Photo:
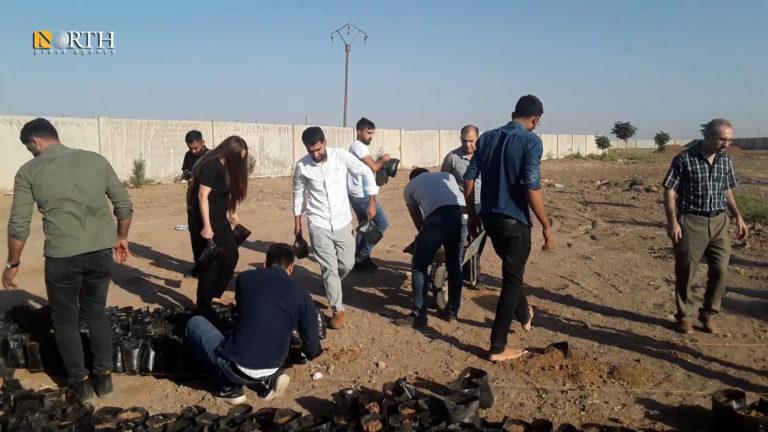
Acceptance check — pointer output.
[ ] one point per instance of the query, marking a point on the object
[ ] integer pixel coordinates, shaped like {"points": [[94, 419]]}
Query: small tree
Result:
{"points": [[251, 164], [624, 131], [602, 142], [138, 174], [661, 139]]}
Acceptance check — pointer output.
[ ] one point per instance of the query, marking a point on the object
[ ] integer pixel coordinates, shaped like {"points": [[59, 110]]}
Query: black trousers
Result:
{"points": [[77, 288], [213, 279], [511, 240]]}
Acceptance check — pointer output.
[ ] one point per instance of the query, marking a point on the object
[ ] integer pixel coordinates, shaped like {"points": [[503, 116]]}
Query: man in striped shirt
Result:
{"points": [[697, 190]]}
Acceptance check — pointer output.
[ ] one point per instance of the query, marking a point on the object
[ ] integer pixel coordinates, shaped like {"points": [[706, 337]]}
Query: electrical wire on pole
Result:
{"points": [[347, 49]]}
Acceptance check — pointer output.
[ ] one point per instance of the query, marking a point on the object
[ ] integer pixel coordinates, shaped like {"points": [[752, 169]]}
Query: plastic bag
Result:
{"points": [[210, 253], [370, 232], [241, 233], [300, 247]]}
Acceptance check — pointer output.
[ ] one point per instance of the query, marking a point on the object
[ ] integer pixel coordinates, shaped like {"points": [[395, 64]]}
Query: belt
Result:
{"points": [[705, 214], [459, 208]]}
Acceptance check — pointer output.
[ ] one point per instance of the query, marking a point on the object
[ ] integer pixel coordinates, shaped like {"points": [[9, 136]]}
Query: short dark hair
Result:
{"points": [[192, 136], [711, 128], [280, 254], [312, 135], [470, 127], [417, 172], [39, 128], [528, 106], [364, 124]]}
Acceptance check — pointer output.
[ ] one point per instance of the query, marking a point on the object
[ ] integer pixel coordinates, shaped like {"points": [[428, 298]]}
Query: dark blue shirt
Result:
{"points": [[270, 305], [508, 159]]}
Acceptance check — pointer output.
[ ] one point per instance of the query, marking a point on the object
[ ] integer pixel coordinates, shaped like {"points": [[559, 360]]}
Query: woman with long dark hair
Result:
{"points": [[220, 183]]}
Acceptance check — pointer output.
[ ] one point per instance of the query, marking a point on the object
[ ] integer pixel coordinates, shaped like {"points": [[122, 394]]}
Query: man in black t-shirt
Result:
{"points": [[270, 306], [197, 148]]}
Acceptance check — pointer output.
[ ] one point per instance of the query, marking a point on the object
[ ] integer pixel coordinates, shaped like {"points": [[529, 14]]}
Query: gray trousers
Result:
{"points": [[335, 251], [705, 237]]}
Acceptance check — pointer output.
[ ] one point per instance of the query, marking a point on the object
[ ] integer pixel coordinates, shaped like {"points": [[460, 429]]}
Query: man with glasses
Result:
{"points": [[508, 158]]}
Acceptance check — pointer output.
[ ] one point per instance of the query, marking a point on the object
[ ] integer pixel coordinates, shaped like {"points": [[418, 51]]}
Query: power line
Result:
{"points": [[347, 49]]}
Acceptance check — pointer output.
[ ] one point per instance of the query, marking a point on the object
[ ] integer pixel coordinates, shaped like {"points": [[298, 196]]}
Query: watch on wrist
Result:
{"points": [[8, 265]]}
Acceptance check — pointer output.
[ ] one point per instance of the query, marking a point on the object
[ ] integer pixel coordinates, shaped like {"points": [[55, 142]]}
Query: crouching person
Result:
{"points": [[270, 305]]}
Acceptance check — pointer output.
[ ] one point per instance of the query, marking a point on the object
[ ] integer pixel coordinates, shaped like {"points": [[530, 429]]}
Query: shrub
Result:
{"points": [[752, 206], [251, 164], [139, 174]]}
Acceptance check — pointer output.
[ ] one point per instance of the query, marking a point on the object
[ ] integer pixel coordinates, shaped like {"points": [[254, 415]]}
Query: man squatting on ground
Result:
{"points": [[69, 187], [357, 196], [435, 205], [697, 189], [270, 305], [508, 159], [456, 163], [320, 185]]}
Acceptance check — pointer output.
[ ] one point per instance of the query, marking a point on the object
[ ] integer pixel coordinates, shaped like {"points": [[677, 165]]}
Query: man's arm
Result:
{"points": [[473, 171], [531, 175], [416, 217], [670, 208], [123, 211], [376, 165], [447, 166], [355, 166], [298, 199], [536, 202], [18, 225], [741, 227]]}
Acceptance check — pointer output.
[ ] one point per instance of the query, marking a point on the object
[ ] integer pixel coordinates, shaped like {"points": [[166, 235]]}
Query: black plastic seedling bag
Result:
{"points": [[241, 233], [148, 358], [300, 247], [462, 408], [34, 357], [77, 417], [132, 418], [16, 356], [725, 404], [542, 425], [131, 350], [475, 378], [370, 232], [211, 251], [286, 420], [158, 422]]}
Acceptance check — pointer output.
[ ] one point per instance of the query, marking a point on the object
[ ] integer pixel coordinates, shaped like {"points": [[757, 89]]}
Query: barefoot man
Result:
{"points": [[508, 159]]}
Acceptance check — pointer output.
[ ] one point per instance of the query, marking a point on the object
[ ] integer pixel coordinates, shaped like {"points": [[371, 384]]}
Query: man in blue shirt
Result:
{"points": [[508, 159], [270, 306]]}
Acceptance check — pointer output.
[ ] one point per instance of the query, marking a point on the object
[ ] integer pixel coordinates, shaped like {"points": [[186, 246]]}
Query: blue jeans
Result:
{"points": [[204, 339], [363, 249], [444, 226]]}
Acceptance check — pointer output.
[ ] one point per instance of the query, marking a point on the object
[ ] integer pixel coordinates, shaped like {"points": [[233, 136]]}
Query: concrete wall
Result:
{"points": [[73, 132], [420, 148], [276, 147]]}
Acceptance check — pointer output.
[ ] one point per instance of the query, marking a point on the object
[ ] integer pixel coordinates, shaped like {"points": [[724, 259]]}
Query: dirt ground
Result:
{"points": [[607, 290]]}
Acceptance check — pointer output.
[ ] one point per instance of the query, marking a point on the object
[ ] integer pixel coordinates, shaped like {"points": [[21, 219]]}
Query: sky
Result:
{"points": [[427, 64]]}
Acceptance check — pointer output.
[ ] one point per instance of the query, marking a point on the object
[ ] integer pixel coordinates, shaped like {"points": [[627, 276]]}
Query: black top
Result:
{"points": [[214, 175], [190, 159], [270, 305]]}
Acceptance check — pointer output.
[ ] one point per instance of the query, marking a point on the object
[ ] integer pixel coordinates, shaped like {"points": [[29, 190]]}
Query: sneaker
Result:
{"points": [[337, 320], [232, 395], [276, 387], [709, 324], [684, 326], [411, 321], [81, 391], [102, 383]]}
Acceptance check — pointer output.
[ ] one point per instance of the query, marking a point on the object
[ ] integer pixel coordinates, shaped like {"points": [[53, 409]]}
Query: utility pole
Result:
{"points": [[347, 49]]}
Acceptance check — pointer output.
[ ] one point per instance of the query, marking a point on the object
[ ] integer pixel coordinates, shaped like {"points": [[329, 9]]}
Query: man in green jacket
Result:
{"points": [[69, 188]]}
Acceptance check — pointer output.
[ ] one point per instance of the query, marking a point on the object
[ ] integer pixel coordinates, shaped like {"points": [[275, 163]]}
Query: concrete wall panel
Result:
{"points": [[580, 144], [449, 140], [159, 142], [645, 144], [564, 145], [270, 144], [420, 148], [549, 142], [589, 145], [385, 141]]}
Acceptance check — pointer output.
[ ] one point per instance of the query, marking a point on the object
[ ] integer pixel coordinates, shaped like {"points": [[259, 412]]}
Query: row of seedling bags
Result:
{"points": [[399, 407], [144, 342]]}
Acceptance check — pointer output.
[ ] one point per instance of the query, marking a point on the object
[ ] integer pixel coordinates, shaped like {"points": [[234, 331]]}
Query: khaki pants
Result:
{"points": [[705, 237]]}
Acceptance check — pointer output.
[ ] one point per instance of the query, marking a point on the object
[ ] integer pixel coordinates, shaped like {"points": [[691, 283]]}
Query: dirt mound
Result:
{"points": [[579, 369], [673, 149], [735, 151]]}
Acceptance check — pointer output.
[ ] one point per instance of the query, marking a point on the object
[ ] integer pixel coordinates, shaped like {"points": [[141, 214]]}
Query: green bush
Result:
{"points": [[752, 206], [251, 164], [139, 174]]}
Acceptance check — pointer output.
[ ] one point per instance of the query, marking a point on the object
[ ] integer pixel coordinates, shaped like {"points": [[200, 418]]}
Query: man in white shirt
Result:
{"points": [[435, 204], [320, 182], [357, 195]]}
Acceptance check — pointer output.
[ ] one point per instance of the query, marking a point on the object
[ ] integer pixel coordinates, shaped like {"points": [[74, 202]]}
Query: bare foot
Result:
{"points": [[527, 326], [508, 354]]}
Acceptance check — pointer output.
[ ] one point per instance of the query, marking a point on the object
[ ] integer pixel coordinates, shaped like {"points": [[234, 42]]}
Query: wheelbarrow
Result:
{"points": [[438, 274]]}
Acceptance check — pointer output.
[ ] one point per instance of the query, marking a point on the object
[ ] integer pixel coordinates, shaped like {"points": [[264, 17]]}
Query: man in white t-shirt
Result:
{"points": [[436, 206], [357, 195], [319, 184]]}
